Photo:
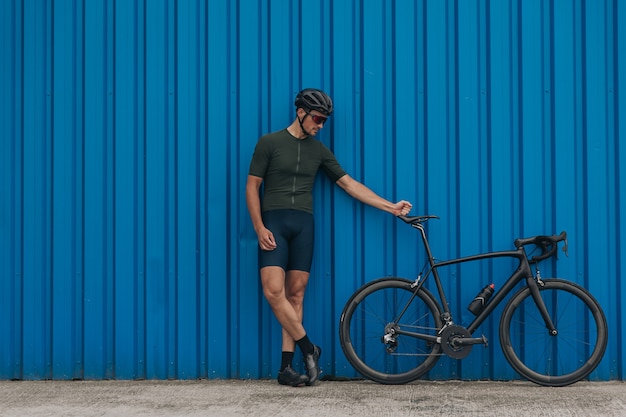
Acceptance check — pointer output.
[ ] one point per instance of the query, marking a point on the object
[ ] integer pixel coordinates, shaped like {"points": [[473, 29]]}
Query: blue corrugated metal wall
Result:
{"points": [[127, 127]]}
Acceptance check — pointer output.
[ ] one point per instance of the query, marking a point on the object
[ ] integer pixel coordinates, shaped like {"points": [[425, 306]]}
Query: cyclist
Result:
{"points": [[286, 163]]}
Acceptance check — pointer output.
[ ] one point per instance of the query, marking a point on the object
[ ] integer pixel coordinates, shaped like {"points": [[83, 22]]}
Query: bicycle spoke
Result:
{"points": [[554, 360]]}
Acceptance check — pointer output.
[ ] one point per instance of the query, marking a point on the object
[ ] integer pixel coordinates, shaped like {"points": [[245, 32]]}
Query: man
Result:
{"points": [[286, 163]]}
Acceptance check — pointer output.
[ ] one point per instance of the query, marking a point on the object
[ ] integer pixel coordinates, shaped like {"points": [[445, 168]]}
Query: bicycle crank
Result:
{"points": [[457, 341]]}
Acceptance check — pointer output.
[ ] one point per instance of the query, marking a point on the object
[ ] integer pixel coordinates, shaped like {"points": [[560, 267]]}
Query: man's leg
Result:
{"points": [[274, 282], [295, 286], [276, 286]]}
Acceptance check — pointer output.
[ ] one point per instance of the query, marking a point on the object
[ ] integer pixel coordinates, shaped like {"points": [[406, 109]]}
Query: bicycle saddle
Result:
{"points": [[416, 219]]}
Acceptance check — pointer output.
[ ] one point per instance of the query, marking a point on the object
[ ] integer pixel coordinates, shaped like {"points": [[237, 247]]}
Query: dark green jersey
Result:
{"points": [[288, 167]]}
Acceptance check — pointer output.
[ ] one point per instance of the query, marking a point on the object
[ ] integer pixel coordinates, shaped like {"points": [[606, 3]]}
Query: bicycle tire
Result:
{"points": [[362, 326], [559, 360]]}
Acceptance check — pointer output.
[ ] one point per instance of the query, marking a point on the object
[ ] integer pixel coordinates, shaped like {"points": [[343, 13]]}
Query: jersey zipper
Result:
{"points": [[293, 190]]}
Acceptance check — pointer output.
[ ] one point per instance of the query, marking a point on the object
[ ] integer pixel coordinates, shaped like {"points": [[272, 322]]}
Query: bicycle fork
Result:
{"points": [[533, 284]]}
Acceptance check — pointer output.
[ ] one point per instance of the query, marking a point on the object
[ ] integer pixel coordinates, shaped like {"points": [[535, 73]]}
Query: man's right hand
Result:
{"points": [[266, 239]]}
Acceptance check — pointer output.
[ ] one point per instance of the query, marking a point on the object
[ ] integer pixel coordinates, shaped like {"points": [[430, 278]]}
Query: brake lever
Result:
{"points": [[565, 245]]}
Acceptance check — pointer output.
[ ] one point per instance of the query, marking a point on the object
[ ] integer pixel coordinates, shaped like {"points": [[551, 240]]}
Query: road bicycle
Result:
{"points": [[552, 331]]}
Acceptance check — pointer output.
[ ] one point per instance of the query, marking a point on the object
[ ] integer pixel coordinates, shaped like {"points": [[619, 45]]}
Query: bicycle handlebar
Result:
{"points": [[547, 244]]}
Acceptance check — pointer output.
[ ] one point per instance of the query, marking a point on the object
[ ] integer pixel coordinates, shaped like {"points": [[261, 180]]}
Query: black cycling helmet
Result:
{"points": [[314, 99]]}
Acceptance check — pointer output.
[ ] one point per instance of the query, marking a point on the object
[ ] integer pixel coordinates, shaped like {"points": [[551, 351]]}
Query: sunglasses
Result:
{"points": [[317, 119]]}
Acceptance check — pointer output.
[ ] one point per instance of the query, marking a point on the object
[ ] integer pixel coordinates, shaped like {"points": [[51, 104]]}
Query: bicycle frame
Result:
{"points": [[523, 271], [393, 330]]}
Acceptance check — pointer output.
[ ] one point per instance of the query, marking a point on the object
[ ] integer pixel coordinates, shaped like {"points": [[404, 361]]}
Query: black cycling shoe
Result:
{"points": [[289, 376], [312, 365]]}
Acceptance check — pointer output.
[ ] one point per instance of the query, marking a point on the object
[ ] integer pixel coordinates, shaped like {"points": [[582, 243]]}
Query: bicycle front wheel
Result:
{"points": [[558, 360], [369, 325]]}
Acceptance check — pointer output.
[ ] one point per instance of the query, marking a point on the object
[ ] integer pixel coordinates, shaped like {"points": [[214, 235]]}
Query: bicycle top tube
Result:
{"points": [[547, 244]]}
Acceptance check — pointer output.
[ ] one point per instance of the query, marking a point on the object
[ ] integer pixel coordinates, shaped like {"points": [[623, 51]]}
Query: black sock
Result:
{"points": [[286, 360], [305, 345]]}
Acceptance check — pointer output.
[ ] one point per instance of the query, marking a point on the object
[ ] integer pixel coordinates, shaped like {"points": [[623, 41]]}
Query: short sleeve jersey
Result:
{"points": [[288, 167]]}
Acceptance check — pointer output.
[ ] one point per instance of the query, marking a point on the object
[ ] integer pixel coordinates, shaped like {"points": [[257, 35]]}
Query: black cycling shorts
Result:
{"points": [[294, 234]]}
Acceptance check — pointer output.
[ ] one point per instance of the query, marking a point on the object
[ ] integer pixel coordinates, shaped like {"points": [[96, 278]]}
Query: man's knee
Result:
{"points": [[296, 298], [295, 284], [272, 295], [273, 281]]}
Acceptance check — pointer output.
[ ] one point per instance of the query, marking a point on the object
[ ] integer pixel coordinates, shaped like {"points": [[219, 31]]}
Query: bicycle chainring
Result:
{"points": [[450, 345]]}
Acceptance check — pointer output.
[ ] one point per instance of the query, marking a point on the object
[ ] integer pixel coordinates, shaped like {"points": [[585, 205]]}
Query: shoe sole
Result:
{"points": [[300, 385], [293, 384]]}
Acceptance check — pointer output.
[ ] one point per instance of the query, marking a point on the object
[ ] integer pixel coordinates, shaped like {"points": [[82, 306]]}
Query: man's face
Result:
{"points": [[312, 121]]}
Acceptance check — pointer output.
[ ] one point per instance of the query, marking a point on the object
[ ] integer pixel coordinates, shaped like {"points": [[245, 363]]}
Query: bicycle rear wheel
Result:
{"points": [[367, 318], [558, 360]]}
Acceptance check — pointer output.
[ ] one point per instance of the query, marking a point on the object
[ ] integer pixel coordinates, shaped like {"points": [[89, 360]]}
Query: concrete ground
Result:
{"points": [[226, 398]]}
